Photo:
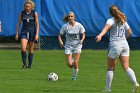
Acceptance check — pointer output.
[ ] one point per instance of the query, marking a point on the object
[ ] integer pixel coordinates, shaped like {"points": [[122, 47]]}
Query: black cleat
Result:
{"points": [[24, 66]]}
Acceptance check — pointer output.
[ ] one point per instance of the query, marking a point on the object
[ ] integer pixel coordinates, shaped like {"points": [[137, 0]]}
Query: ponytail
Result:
{"points": [[117, 14]]}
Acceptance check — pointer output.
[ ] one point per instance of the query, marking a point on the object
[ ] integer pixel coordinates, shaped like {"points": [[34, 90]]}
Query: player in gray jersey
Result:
{"points": [[73, 43], [118, 46]]}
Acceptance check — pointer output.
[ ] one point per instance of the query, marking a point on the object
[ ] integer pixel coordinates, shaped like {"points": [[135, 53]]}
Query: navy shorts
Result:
{"points": [[30, 36]]}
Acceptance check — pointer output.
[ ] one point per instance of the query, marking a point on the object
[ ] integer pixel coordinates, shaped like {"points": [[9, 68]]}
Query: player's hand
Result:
{"points": [[61, 45], [36, 37], [98, 38], [81, 42], [16, 37]]}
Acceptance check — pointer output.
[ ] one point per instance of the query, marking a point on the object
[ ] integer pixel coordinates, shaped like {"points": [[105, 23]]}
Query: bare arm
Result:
{"points": [[83, 37], [37, 26], [60, 40], [129, 33], [103, 32], [18, 25]]}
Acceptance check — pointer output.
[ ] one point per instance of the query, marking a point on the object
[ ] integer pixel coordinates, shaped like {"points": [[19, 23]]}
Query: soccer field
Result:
{"points": [[90, 79]]}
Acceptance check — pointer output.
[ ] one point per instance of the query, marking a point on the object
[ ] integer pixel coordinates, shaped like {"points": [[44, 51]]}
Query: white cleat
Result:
{"points": [[106, 91], [136, 88]]}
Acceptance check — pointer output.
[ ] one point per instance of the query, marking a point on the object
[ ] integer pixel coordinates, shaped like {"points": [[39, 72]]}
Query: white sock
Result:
{"points": [[130, 73], [75, 72], [109, 78]]}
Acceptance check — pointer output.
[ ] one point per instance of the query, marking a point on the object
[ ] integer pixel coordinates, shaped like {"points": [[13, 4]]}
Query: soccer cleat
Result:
{"points": [[73, 78], [29, 67], [24, 66], [135, 88], [106, 91]]}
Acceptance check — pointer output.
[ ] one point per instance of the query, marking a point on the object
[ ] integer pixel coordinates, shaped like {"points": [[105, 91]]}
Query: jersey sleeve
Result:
{"points": [[110, 22], [82, 29], [126, 26], [62, 30]]}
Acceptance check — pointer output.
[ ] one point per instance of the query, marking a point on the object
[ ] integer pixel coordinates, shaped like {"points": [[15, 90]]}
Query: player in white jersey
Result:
{"points": [[73, 43], [118, 46]]}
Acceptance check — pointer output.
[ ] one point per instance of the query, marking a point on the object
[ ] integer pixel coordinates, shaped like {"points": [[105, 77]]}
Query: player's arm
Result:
{"points": [[82, 31], [103, 32], [128, 30], [129, 33], [18, 26], [60, 40], [37, 26], [83, 37]]}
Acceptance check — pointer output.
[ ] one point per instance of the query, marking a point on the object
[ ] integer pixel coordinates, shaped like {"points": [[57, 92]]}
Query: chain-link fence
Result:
{"points": [[51, 42], [89, 43]]}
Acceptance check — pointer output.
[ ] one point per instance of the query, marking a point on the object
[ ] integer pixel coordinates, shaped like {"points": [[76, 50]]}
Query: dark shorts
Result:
{"points": [[30, 36]]}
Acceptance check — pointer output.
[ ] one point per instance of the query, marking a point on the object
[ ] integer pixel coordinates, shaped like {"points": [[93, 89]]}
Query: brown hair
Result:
{"points": [[117, 14], [65, 18], [29, 2]]}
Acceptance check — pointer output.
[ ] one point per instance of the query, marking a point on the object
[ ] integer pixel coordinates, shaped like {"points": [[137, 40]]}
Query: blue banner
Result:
{"points": [[92, 14]]}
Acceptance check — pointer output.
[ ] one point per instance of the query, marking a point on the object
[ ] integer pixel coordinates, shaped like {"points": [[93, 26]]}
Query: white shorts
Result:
{"points": [[72, 51], [116, 52]]}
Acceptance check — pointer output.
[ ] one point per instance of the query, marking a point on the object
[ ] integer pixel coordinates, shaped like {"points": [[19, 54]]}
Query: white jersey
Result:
{"points": [[72, 34], [117, 32]]}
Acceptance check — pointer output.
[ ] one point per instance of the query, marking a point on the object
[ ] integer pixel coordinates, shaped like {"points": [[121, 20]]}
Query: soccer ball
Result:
{"points": [[52, 76]]}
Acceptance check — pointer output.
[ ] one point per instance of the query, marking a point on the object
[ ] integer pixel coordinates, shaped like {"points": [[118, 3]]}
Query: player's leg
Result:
{"points": [[69, 60], [113, 54], [130, 73], [76, 68], [109, 76], [23, 51], [68, 56], [30, 55], [76, 61]]}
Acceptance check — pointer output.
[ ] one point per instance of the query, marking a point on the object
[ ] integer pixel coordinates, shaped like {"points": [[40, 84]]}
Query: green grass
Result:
{"points": [[90, 79]]}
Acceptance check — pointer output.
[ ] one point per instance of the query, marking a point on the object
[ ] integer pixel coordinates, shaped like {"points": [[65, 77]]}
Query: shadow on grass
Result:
{"points": [[71, 91], [9, 68]]}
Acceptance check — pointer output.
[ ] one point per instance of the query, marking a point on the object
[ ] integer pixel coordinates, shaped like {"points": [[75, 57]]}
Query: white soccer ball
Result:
{"points": [[52, 76]]}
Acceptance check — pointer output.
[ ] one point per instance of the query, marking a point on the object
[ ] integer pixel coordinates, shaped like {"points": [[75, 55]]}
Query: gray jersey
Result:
{"points": [[72, 34], [117, 32]]}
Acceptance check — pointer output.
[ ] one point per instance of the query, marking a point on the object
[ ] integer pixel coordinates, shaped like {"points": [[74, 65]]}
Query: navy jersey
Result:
{"points": [[28, 21]]}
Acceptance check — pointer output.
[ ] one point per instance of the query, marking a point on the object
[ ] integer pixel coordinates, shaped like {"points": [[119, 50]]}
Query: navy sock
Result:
{"points": [[23, 54], [30, 59]]}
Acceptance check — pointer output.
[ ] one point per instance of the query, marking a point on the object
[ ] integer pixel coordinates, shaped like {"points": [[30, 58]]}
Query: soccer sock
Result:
{"points": [[109, 78], [30, 59], [23, 54], [75, 72], [130, 73]]}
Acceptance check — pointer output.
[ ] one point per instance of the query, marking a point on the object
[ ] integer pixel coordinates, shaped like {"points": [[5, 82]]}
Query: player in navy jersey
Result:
{"points": [[29, 32], [118, 46], [73, 43]]}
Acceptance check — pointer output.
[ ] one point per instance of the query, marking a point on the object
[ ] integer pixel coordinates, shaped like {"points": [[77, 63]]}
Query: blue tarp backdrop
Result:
{"points": [[92, 14]]}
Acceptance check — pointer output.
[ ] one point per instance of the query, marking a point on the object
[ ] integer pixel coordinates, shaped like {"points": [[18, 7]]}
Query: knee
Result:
{"points": [[30, 50], [23, 50]]}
